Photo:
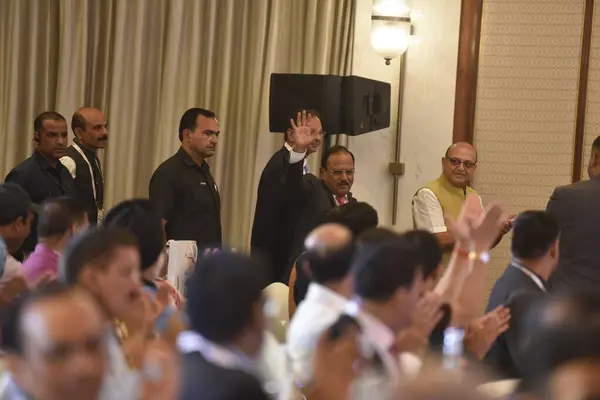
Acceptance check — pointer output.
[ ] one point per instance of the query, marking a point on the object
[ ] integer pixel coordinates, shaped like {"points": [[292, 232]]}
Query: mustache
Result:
{"points": [[103, 138]]}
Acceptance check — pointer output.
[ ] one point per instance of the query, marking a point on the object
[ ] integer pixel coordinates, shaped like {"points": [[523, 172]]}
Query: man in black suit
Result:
{"points": [[91, 134], [310, 196], [273, 221], [42, 175], [575, 207], [535, 256], [226, 322]]}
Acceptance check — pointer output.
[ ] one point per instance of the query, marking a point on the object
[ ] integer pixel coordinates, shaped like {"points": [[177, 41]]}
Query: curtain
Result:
{"points": [[144, 62]]}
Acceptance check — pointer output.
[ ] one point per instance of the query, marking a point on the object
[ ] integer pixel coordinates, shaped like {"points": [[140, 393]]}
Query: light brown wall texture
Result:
{"points": [[526, 103], [592, 109]]}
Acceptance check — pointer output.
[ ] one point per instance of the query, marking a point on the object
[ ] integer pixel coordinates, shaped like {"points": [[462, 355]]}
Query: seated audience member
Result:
{"points": [[329, 259], [534, 258], [59, 219], [139, 218], [388, 283], [106, 263], [560, 329], [225, 310], [375, 236], [55, 344], [16, 214], [357, 217]]}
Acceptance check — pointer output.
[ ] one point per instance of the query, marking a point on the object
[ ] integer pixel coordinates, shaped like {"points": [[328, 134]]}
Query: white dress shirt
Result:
{"points": [[428, 213], [315, 314]]}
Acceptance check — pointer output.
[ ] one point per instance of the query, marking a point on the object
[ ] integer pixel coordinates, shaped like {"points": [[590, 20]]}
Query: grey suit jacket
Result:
{"points": [[576, 208]]}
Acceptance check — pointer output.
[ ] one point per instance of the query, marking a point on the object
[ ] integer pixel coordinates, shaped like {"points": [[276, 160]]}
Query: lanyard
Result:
{"points": [[189, 341], [76, 147], [536, 279]]}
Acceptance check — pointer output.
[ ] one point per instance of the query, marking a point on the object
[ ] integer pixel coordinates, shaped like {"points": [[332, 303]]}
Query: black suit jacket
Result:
{"points": [[41, 181], [273, 218], [517, 291], [311, 199], [575, 207], [206, 381]]}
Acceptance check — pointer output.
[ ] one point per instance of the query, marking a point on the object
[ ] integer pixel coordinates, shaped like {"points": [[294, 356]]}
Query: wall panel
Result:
{"points": [[592, 117], [526, 103]]}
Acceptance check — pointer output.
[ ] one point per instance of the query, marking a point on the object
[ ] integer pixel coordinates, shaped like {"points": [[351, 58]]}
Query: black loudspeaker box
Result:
{"points": [[347, 104]]}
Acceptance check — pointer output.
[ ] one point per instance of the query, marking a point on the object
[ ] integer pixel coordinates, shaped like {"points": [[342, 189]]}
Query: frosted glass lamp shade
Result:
{"points": [[390, 38]]}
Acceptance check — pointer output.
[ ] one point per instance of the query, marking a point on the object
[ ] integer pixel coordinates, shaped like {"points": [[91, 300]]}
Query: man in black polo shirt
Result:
{"points": [[42, 175], [182, 188]]}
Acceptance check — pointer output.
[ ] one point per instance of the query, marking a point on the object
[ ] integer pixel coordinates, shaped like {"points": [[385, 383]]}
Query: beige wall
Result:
{"points": [[526, 103], [429, 90], [592, 115]]}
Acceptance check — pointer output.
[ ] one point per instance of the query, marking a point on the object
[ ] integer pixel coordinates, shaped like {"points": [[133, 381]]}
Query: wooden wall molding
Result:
{"points": [[584, 68], [466, 72]]}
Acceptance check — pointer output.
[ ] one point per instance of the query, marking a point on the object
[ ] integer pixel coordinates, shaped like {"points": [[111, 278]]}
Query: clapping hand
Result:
{"points": [[482, 332], [301, 135], [475, 229]]}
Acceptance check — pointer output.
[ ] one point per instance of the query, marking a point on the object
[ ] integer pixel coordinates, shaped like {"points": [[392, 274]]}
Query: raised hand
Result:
{"points": [[427, 313], [301, 134], [476, 230]]}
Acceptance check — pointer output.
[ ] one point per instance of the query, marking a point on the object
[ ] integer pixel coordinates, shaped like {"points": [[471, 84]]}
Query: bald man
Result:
{"points": [[90, 130], [329, 249], [446, 194]]}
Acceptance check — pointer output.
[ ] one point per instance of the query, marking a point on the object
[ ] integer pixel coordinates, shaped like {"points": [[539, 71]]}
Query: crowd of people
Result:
{"points": [[86, 311]]}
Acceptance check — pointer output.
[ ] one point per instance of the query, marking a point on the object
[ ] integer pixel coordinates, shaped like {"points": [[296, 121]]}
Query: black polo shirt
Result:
{"points": [[187, 197], [41, 181]]}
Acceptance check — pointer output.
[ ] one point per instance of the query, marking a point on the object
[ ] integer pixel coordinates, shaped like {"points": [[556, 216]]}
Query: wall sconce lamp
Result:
{"points": [[390, 28]]}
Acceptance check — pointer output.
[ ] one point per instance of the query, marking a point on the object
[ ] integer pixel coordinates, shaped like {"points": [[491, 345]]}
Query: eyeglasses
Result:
{"points": [[457, 162], [340, 172]]}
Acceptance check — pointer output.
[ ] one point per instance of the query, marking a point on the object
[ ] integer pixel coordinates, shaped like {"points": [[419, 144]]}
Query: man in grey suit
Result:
{"points": [[576, 208]]}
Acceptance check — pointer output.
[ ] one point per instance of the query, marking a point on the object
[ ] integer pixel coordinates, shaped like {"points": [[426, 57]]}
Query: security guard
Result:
{"points": [[182, 188], [42, 175]]}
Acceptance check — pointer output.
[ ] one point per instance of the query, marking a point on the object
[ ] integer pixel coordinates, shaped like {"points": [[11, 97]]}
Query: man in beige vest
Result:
{"points": [[446, 194]]}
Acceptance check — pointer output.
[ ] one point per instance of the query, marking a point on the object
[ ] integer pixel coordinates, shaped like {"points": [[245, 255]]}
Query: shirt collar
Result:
{"points": [[91, 155], [44, 162], [222, 356], [187, 160], [373, 330], [41, 247], [325, 297]]}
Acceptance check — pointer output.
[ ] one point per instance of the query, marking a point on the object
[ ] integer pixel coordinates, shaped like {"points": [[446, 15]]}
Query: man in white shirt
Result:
{"points": [[329, 257], [388, 283]]}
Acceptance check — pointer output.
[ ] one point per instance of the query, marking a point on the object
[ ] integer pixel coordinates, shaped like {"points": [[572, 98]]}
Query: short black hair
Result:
{"points": [[334, 150], [428, 248], [380, 270], [12, 334], [375, 236], [94, 247], [139, 217], [356, 216], [534, 233], [596, 143], [78, 121], [221, 294], [38, 123], [188, 119], [58, 214], [559, 329], [15, 203]]}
